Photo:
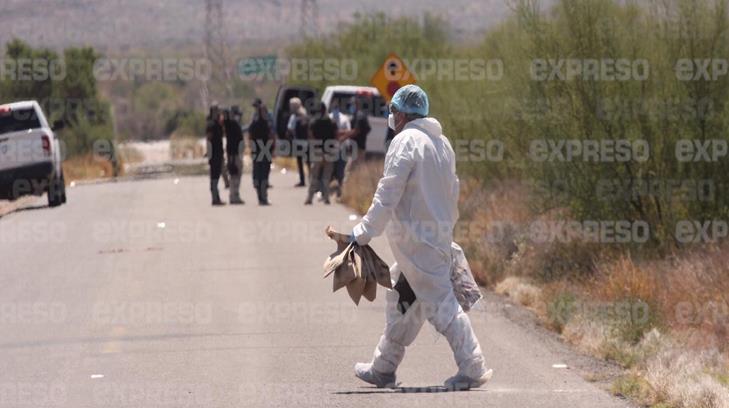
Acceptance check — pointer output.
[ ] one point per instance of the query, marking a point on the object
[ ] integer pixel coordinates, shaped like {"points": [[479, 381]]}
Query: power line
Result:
{"points": [[309, 19], [216, 52]]}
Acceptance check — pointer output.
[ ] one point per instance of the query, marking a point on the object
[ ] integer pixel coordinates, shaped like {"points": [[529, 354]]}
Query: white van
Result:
{"points": [[374, 105], [30, 154]]}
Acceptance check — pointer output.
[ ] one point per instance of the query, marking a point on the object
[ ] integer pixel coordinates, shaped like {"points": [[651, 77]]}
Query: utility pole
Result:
{"points": [[218, 86], [309, 19]]}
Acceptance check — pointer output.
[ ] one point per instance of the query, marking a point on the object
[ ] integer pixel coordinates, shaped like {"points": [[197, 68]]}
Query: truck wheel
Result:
{"points": [[56, 191], [63, 189]]}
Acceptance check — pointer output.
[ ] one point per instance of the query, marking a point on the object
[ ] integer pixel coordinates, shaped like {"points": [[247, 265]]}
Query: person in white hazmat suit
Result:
{"points": [[417, 200]]}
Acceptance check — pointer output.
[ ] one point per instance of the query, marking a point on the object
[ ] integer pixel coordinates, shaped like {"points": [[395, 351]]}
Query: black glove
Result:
{"points": [[406, 295]]}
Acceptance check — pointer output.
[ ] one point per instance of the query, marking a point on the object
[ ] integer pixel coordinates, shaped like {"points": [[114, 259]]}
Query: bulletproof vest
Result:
{"points": [[216, 139], [234, 137], [260, 132]]}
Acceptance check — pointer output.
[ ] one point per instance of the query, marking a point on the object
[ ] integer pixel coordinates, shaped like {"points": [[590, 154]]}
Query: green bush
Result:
{"points": [[632, 386], [639, 318], [576, 110], [72, 97], [191, 124], [561, 307]]}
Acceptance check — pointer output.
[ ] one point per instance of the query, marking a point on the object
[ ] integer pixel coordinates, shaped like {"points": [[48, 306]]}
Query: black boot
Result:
{"points": [[262, 191], [215, 193]]}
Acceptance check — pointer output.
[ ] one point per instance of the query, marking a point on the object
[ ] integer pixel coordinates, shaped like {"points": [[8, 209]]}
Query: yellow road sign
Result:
{"points": [[391, 76]]}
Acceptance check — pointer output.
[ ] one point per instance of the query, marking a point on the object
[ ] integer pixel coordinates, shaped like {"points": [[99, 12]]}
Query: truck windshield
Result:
{"points": [[17, 120]]}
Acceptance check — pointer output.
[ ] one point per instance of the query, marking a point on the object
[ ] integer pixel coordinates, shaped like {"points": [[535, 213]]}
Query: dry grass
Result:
{"points": [[490, 227], [521, 291], [695, 294], [633, 385], [285, 162], [687, 378], [87, 167], [361, 185], [689, 292], [500, 231], [623, 279], [684, 368], [611, 306], [589, 335], [129, 154], [661, 371], [186, 147]]}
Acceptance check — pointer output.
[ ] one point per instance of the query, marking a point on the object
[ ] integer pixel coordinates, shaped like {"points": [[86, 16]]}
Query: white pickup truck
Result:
{"points": [[374, 104], [30, 154]]}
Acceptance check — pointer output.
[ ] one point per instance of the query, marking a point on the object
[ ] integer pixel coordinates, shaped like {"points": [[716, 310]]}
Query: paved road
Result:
{"points": [[139, 294]]}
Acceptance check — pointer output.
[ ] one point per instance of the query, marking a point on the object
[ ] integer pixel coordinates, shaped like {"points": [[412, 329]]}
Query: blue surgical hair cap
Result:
{"points": [[411, 99]]}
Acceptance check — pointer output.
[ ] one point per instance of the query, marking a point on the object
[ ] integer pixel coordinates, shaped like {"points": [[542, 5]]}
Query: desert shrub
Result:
{"points": [[694, 294], [581, 109], [561, 308], [190, 124], [87, 166], [489, 226], [554, 261], [521, 291], [678, 377], [631, 385]]}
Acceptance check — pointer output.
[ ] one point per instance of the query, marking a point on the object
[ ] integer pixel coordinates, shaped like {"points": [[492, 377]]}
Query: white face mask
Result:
{"points": [[391, 121]]}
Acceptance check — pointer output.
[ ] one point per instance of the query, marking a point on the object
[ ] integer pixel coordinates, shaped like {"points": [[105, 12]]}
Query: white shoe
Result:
{"points": [[461, 382], [366, 373]]}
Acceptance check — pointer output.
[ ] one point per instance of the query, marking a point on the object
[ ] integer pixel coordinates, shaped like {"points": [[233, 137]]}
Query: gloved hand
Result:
{"points": [[351, 239]]}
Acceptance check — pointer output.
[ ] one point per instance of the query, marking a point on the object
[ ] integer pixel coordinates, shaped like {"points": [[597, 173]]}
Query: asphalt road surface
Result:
{"points": [[140, 294]]}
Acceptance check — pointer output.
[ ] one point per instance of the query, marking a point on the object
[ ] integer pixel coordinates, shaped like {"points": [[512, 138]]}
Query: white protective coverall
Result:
{"points": [[417, 200]]}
